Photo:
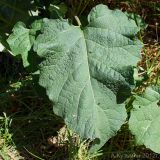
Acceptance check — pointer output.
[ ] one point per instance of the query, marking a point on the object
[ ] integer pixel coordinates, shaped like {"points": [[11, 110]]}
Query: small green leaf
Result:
{"points": [[145, 119], [22, 39]]}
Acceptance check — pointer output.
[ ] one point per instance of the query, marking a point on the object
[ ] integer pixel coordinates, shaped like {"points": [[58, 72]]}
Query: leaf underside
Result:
{"points": [[145, 119], [86, 72]]}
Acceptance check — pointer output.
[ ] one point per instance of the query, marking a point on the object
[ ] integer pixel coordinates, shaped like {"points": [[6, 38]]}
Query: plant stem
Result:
{"points": [[78, 21]]}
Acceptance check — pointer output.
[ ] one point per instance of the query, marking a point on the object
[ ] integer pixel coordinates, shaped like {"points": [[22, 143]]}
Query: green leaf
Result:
{"points": [[21, 42], [22, 38], [86, 72], [145, 119]]}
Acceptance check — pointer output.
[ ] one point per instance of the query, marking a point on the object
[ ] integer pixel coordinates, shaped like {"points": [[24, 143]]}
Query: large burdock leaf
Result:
{"points": [[145, 119], [86, 71]]}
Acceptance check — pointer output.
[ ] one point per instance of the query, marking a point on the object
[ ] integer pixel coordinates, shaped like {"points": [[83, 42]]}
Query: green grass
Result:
{"points": [[6, 142]]}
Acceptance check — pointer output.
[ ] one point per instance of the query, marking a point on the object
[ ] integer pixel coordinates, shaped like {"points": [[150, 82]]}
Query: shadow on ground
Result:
{"points": [[33, 122]]}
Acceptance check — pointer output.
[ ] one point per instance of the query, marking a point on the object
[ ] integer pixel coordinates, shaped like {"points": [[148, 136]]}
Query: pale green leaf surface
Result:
{"points": [[145, 119], [22, 38], [85, 72]]}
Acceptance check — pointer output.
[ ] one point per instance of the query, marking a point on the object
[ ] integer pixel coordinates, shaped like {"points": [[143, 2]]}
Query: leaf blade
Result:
{"points": [[22, 39], [145, 115], [84, 91]]}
